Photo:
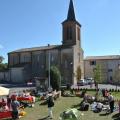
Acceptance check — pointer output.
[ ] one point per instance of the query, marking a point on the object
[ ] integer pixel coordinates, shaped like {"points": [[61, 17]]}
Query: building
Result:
{"points": [[25, 64], [109, 65]]}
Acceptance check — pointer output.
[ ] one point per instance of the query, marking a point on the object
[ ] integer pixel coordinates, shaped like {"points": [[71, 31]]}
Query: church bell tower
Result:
{"points": [[71, 28]]}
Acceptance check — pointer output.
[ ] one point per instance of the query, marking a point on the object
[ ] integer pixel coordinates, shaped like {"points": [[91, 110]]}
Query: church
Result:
{"points": [[28, 63]]}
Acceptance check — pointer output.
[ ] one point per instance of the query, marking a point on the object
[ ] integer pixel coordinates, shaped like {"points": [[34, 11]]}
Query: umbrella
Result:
{"points": [[4, 91]]}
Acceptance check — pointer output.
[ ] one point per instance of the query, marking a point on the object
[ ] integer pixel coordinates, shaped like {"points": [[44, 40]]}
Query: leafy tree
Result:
{"points": [[54, 77], [1, 59], [78, 73], [97, 73], [3, 66], [117, 77]]}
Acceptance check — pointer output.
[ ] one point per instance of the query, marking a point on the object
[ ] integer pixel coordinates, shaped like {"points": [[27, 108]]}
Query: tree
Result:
{"points": [[54, 77], [78, 73], [3, 66], [117, 77], [1, 59], [97, 73]]}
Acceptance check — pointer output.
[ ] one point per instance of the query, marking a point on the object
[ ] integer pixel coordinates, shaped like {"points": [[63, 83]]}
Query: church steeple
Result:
{"points": [[71, 13], [71, 28]]}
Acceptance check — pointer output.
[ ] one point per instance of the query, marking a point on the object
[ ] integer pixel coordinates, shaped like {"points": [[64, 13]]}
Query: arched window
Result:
{"points": [[78, 33], [69, 33]]}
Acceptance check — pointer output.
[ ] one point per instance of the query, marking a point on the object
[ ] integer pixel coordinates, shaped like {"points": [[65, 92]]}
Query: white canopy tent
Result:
{"points": [[4, 91]]}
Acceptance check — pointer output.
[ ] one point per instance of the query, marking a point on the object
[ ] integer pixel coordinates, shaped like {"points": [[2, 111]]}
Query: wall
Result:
{"points": [[4, 76], [108, 67], [16, 75]]}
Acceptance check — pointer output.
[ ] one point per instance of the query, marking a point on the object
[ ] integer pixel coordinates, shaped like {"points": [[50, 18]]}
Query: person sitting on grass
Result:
{"points": [[99, 107]]}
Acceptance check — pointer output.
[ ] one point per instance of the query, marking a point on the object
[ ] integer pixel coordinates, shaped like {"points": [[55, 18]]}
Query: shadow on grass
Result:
{"points": [[75, 106], [44, 118], [116, 116], [104, 114], [43, 103]]}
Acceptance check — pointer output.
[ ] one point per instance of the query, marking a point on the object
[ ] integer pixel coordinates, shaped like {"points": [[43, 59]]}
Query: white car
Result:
{"points": [[90, 81], [82, 82]]}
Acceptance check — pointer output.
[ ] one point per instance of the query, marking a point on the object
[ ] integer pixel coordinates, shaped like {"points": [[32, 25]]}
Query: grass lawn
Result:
{"points": [[39, 112]]}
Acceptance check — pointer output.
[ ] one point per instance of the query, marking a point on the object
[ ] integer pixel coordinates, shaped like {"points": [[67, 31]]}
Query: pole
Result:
{"points": [[49, 70], [60, 80]]}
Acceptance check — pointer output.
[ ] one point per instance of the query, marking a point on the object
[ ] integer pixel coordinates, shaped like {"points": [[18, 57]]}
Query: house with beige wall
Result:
{"points": [[110, 66]]}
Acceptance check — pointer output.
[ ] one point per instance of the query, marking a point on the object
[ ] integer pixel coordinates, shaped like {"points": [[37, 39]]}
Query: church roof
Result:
{"points": [[35, 48], [41, 48], [107, 57]]}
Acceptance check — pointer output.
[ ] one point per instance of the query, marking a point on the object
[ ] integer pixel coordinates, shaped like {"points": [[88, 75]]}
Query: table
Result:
{"points": [[6, 114], [25, 99]]}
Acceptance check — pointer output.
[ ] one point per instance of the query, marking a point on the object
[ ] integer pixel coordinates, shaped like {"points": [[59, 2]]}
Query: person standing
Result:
{"points": [[50, 102], [111, 102], [9, 102], [15, 107]]}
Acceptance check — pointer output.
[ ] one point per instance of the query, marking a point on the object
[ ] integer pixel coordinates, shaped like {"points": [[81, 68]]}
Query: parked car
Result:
{"points": [[90, 81], [82, 82]]}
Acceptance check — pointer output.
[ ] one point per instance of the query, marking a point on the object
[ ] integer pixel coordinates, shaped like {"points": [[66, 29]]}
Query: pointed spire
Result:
{"points": [[71, 13]]}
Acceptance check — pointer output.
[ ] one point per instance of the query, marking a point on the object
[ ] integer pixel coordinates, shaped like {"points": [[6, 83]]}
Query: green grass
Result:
{"points": [[41, 111]]}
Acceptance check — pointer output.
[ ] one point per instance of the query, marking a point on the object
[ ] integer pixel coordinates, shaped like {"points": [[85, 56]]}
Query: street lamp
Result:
{"points": [[72, 74], [48, 68]]}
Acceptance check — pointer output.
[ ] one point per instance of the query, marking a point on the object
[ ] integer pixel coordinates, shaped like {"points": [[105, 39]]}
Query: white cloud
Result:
{"points": [[1, 46]]}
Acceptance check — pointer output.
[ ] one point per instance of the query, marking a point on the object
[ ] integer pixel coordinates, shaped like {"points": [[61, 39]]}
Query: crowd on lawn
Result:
{"points": [[97, 105], [16, 101]]}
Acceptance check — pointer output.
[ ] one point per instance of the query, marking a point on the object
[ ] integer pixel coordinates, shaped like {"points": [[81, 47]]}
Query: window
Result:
{"points": [[111, 78], [92, 62], [110, 70], [78, 33], [79, 56], [69, 33], [66, 64]]}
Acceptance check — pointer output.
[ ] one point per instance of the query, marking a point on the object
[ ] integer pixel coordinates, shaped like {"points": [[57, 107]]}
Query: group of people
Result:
{"points": [[96, 103], [12, 104]]}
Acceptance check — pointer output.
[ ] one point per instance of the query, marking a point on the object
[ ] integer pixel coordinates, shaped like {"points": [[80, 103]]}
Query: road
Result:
{"points": [[16, 88], [101, 86]]}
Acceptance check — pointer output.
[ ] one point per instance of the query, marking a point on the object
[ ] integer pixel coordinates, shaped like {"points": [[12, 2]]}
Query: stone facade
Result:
{"points": [[109, 67], [67, 57]]}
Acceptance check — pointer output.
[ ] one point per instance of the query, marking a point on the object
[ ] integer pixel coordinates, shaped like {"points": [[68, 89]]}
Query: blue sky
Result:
{"points": [[33, 23]]}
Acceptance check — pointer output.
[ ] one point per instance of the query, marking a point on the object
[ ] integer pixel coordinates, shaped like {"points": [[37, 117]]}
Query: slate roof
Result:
{"points": [[71, 14], [41, 48], [107, 57]]}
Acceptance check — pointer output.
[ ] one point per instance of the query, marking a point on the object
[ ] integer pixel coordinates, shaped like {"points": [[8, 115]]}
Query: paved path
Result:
{"points": [[101, 86], [16, 88]]}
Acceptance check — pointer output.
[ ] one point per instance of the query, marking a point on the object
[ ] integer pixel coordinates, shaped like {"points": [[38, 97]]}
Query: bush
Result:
{"points": [[112, 90]]}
